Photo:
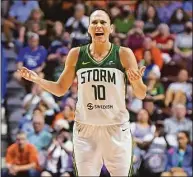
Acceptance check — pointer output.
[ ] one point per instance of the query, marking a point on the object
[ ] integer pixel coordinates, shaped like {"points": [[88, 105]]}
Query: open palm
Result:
{"points": [[28, 74], [135, 74]]}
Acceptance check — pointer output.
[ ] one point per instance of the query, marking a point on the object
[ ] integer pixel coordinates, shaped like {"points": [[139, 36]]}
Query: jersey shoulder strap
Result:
{"points": [[82, 55], [116, 56]]}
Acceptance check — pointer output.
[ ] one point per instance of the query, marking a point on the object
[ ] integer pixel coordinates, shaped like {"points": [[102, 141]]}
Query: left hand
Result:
{"points": [[134, 75]]}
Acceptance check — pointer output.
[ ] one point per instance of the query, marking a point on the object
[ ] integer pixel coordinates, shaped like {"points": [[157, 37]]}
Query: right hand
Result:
{"points": [[28, 74]]}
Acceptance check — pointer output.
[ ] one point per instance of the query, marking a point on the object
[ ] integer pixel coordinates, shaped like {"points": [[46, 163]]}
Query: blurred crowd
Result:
{"points": [[160, 35]]}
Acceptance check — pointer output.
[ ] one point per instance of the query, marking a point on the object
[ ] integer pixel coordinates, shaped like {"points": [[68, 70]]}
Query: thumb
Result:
{"points": [[142, 69]]}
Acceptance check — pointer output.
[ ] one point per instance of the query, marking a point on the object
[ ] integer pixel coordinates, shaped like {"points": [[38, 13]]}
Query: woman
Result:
{"points": [[155, 89], [149, 63], [164, 41], [150, 19], [142, 128], [35, 24], [179, 161], [183, 47], [177, 21]]}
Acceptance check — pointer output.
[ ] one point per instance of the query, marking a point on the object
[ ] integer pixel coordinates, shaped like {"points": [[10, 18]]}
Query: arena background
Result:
{"points": [[158, 32]]}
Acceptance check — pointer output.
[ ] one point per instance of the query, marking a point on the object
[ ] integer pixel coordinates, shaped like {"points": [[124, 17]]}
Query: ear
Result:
{"points": [[112, 28], [89, 29]]}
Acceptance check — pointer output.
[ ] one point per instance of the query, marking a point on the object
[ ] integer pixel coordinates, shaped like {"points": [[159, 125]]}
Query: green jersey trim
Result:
{"points": [[102, 61]]}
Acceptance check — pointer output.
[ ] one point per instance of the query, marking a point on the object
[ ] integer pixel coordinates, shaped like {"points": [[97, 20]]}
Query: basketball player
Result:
{"points": [[101, 130]]}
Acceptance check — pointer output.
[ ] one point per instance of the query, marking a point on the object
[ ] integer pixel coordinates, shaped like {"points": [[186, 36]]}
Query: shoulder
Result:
{"points": [[125, 50], [168, 120], [72, 57], [12, 147], [31, 147], [125, 53], [41, 47], [25, 49], [127, 58]]}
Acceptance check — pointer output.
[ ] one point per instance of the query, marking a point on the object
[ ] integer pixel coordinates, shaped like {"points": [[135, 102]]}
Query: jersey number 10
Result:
{"points": [[99, 92]]}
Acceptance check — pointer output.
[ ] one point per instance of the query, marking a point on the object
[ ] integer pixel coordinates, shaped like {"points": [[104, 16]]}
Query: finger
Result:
{"points": [[129, 74], [142, 70], [135, 74]]}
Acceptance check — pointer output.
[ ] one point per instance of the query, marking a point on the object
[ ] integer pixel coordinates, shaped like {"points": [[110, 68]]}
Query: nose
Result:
{"points": [[98, 25]]}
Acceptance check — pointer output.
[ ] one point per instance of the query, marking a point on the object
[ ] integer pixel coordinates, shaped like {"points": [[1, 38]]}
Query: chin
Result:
{"points": [[100, 40]]}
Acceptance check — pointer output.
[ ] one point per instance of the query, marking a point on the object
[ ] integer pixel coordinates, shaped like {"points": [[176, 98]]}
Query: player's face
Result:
{"points": [[100, 27]]}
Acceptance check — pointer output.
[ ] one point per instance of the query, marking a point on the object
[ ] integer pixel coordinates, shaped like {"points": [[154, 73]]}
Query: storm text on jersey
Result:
{"points": [[98, 75]]}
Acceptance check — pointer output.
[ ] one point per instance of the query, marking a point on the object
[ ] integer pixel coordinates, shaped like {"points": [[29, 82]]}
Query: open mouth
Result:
{"points": [[99, 34]]}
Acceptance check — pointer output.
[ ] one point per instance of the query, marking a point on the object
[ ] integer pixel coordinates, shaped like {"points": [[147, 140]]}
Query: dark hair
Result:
{"points": [[173, 18], [186, 133], [103, 11], [156, 19]]}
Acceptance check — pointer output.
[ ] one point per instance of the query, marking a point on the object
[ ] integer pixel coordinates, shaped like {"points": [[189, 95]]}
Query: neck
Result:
{"points": [[182, 147], [100, 48], [180, 118], [34, 48], [144, 123], [152, 81]]}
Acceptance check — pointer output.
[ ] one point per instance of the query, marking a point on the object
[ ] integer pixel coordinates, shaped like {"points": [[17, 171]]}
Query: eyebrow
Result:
{"points": [[102, 21]]}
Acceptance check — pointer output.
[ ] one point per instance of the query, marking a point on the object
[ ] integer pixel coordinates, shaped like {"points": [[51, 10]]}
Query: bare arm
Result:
{"points": [[60, 87], [25, 167], [129, 62], [167, 46]]}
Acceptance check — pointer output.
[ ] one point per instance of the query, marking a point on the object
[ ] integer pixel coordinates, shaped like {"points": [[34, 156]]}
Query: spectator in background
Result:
{"points": [[18, 15], [114, 10], [166, 9], [78, 26], [148, 61], [68, 114], [154, 158], [123, 22], [164, 41], [156, 53], [135, 36], [35, 24], [31, 101], [141, 128], [117, 41], [176, 123], [151, 20], [55, 36], [141, 8], [155, 89], [179, 91], [59, 158], [51, 11], [179, 159], [27, 125], [21, 159], [183, 47], [32, 57], [61, 54], [40, 138], [177, 21]]}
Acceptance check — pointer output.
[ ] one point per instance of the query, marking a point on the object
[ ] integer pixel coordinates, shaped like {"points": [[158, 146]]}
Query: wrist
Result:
{"points": [[37, 80]]}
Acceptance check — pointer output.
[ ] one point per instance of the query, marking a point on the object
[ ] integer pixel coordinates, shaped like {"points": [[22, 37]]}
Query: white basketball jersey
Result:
{"points": [[101, 89]]}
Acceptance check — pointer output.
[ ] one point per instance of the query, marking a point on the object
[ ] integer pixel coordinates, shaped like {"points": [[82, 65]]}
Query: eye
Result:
{"points": [[103, 22], [94, 22]]}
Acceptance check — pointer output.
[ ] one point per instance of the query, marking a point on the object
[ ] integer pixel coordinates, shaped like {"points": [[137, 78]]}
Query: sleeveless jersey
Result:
{"points": [[101, 89]]}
